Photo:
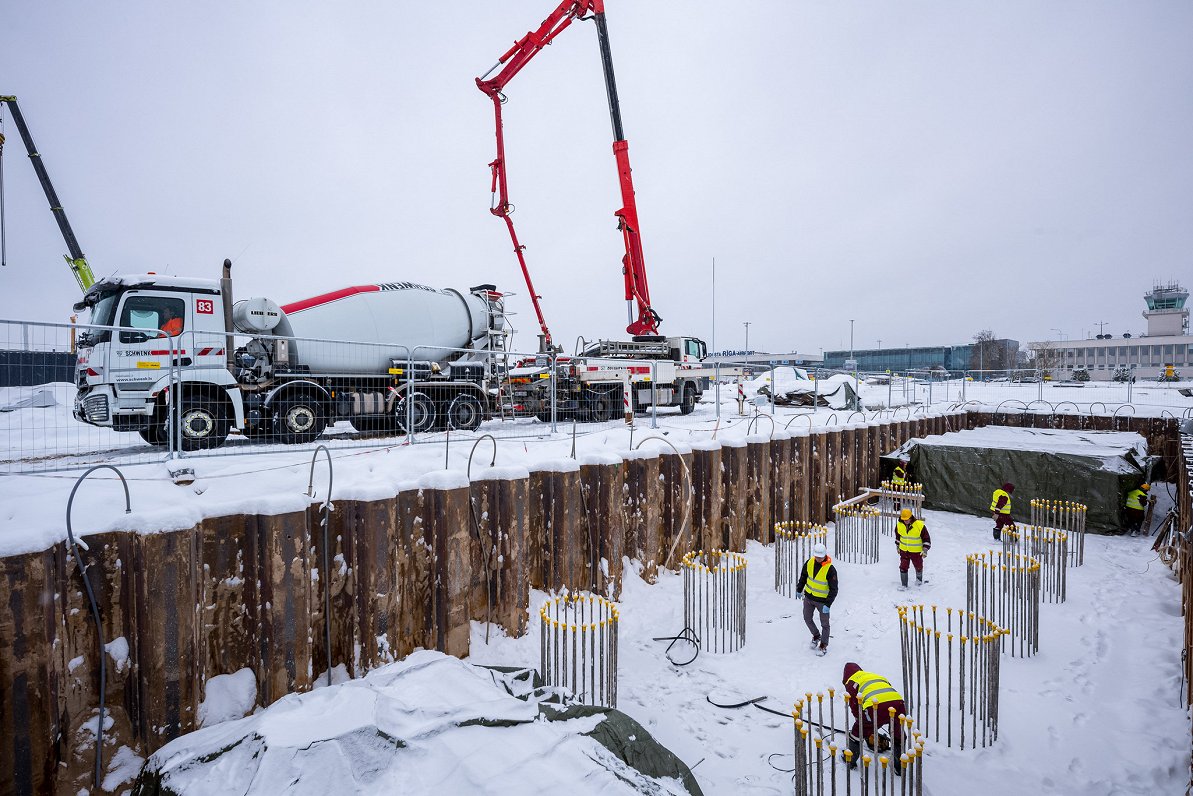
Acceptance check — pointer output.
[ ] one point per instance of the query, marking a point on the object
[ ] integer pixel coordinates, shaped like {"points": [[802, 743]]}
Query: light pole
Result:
{"points": [[1101, 326], [851, 340], [747, 325]]}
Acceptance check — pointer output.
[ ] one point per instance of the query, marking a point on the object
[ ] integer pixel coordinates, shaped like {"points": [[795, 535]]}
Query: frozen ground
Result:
{"points": [[1098, 712]]}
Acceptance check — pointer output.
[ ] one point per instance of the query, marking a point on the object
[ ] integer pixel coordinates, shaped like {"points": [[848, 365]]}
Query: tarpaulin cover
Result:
{"points": [[960, 470], [427, 724]]}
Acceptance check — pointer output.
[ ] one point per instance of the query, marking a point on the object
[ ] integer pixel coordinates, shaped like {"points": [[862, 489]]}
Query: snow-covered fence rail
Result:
{"points": [[951, 668], [825, 763], [578, 647], [1006, 588], [1067, 517], [855, 533], [714, 599], [793, 547], [1050, 548]]}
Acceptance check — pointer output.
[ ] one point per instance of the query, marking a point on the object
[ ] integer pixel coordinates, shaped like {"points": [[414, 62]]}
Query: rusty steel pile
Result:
{"points": [[824, 767], [893, 498], [1048, 546], [1065, 516], [855, 533], [1005, 587], [578, 647], [793, 546], [714, 599], [951, 668]]}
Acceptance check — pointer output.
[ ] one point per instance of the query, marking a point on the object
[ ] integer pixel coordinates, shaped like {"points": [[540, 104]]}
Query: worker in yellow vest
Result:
{"points": [[817, 587], [871, 696], [1000, 509], [914, 542], [899, 476], [1136, 508]]}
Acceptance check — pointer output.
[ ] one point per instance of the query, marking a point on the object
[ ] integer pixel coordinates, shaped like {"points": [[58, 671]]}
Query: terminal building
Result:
{"points": [[1167, 344], [952, 358]]}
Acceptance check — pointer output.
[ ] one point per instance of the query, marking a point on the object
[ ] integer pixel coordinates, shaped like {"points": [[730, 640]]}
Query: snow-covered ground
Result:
{"points": [[1098, 712]]}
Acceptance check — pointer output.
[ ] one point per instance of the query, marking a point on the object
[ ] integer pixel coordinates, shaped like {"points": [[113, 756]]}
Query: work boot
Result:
{"points": [[902, 580], [919, 579], [997, 534], [896, 753], [854, 745]]}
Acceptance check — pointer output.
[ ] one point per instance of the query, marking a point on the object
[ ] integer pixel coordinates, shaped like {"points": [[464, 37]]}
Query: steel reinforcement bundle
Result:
{"points": [[1005, 588], [1051, 548], [893, 498], [822, 766], [714, 599], [578, 647], [793, 547], [1065, 516], [855, 533], [951, 667]]}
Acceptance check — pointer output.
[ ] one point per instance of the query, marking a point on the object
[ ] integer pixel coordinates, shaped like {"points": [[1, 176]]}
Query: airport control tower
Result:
{"points": [[1166, 314]]}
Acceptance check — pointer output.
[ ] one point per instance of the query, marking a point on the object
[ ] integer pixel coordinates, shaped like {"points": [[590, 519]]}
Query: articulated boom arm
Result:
{"points": [[76, 260], [510, 64]]}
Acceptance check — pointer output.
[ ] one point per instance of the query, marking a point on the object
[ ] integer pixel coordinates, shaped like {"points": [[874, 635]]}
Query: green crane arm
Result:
{"points": [[75, 259]]}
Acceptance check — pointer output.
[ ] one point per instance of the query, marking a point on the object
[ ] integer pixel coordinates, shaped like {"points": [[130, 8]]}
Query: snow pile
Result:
{"points": [[227, 697], [429, 724]]}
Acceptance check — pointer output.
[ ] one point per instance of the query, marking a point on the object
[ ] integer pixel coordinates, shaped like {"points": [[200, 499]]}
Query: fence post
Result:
{"points": [[553, 363], [963, 380], [772, 389], [409, 392], [1040, 385], [717, 374], [654, 395]]}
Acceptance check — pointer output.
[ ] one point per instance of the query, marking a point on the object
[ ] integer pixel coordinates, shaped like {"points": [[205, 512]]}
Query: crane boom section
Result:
{"points": [[510, 64], [76, 260]]}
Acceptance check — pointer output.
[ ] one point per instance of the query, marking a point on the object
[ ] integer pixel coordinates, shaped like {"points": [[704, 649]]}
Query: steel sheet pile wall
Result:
{"points": [[247, 591]]}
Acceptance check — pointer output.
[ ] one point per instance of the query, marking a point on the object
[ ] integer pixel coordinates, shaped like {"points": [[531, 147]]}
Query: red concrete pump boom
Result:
{"points": [[633, 265]]}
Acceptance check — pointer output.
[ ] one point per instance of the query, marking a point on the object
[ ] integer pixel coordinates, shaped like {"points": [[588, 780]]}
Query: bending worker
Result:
{"points": [[817, 587], [1000, 509], [899, 476], [1135, 508], [870, 699], [913, 541]]}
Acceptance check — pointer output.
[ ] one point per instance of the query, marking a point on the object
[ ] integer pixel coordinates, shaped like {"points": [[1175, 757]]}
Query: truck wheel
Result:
{"points": [[155, 434], [600, 408], [465, 413], [422, 412], [688, 403], [299, 419], [203, 425]]}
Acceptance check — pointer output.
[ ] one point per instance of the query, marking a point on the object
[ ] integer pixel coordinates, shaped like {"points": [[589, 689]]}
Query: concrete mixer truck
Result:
{"points": [[421, 359]]}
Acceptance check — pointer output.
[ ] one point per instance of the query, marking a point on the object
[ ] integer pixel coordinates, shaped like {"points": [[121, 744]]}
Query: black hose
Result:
{"points": [[99, 629]]}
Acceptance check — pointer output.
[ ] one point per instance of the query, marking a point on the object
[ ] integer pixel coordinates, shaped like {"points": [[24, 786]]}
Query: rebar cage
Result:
{"points": [[794, 540], [855, 533], [1005, 587], [893, 498], [1048, 546], [822, 766], [951, 666], [1065, 516], [714, 598], [578, 647]]}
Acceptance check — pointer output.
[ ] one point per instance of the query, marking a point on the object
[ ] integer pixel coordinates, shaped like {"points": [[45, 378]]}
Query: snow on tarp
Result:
{"points": [[960, 470], [42, 398], [791, 387], [427, 724]]}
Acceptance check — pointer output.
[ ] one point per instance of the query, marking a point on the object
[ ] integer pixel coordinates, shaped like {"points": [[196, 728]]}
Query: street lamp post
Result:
{"points": [[747, 325]]}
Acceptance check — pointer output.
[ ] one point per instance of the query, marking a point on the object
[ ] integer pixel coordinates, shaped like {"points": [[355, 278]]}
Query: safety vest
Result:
{"points": [[910, 539], [873, 689], [899, 476], [1135, 499], [1006, 508], [817, 584]]}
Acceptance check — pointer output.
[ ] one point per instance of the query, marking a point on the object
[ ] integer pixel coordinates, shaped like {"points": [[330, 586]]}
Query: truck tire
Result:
{"points": [[601, 408], [155, 433], [422, 410], [299, 419], [687, 403], [204, 425], [465, 413]]}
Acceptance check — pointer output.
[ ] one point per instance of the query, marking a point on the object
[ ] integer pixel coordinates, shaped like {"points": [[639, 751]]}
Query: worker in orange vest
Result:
{"points": [[171, 323]]}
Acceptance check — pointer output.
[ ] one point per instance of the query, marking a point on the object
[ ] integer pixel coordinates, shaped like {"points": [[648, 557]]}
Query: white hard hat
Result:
{"points": [[819, 551]]}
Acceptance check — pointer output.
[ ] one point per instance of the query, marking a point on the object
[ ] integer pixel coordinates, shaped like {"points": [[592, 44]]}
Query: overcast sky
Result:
{"points": [[929, 169]]}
